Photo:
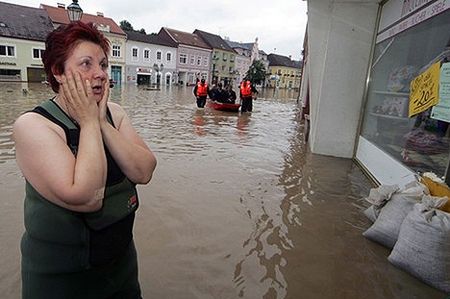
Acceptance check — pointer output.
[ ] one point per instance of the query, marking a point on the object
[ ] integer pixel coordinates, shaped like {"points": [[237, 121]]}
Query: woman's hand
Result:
{"points": [[103, 104], [79, 98]]}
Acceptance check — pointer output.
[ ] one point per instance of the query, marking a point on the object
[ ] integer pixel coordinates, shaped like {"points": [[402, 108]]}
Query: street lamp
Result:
{"points": [[74, 11], [158, 69]]}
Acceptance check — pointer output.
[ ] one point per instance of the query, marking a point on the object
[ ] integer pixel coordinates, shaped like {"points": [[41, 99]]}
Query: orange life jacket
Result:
{"points": [[246, 89], [202, 90]]}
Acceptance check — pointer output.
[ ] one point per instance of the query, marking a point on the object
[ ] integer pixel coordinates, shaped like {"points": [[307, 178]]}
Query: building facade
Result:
{"points": [[23, 31], [348, 71], [193, 61], [149, 59], [108, 27], [284, 72], [246, 54], [223, 58]]}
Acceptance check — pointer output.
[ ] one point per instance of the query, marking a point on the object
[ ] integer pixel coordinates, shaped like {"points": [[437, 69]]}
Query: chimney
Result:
{"points": [[100, 14], [290, 57], [61, 5]]}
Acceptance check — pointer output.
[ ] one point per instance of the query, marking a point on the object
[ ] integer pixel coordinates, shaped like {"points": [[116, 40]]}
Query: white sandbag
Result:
{"points": [[386, 227], [423, 246], [378, 198]]}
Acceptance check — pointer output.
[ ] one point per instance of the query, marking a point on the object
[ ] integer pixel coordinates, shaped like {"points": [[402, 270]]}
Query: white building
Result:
{"points": [[360, 60], [150, 59]]}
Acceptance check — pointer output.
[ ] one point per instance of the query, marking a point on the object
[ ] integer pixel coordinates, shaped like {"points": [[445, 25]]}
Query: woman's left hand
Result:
{"points": [[103, 104]]}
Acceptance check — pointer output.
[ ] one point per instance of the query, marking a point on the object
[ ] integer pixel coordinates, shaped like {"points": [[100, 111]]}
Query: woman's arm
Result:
{"points": [[130, 152], [48, 164], [76, 183]]}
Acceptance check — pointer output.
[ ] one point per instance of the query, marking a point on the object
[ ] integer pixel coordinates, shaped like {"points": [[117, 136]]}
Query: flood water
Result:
{"points": [[237, 207]]}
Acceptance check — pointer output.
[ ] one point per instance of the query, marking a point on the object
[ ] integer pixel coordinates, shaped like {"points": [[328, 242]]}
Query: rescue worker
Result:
{"points": [[246, 93], [201, 91]]}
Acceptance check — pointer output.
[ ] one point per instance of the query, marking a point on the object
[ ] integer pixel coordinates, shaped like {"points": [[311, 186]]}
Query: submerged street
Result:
{"points": [[237, 208]]}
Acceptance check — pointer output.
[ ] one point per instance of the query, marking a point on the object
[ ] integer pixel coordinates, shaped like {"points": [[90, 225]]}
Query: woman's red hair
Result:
{"points": [[60, 43]]}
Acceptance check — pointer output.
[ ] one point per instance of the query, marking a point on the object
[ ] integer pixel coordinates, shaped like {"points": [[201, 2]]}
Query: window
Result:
{"points": [[199, 60], [192, 59], [134, 54], [146, 54], [37, 53], [169, 56], [231, 57], [8, 51], [183, 58], [116, 51], [225, 56], [158, 55], [205, 61], [421, 142]]}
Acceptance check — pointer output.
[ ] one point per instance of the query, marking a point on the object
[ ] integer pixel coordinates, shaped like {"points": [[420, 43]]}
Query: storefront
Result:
{"points": [[403, 131]]}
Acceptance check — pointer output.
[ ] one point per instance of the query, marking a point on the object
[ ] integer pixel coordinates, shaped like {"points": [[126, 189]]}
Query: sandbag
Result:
{"points": [[386, 227], [423, 246], [378, 198]]}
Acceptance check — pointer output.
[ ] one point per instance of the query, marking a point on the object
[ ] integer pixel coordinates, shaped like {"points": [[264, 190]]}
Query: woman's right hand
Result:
{"points": [[79, 98]]}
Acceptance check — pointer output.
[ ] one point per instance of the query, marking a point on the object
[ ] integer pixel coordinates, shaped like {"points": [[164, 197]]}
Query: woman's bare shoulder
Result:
{"points": [[34, 124]]}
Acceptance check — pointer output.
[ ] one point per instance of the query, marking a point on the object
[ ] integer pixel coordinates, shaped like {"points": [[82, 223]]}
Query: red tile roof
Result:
{"points": [[59, 16]]}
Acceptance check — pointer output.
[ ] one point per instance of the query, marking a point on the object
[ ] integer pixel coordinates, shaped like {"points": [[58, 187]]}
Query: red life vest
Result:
{"points": [[246, 89], [202, 90]]}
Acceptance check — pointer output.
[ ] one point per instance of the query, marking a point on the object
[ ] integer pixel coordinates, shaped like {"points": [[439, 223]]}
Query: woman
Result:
{"points": [[81, 159]]}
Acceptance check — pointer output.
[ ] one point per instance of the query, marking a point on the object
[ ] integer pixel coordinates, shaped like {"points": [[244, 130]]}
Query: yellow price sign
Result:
{"points": [[424, 90]]}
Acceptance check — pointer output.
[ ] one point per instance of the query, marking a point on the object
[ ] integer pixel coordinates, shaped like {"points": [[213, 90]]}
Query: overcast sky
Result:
{"points": [[278, 24]]}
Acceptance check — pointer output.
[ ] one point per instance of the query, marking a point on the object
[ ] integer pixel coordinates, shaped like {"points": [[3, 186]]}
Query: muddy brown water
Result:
{"points": [[237, 208]]}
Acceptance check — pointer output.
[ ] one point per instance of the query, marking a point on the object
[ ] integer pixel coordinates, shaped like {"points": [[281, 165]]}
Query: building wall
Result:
{"points": [[116, 40], [23, 58], [188, 72], [142, 65], [340, 38], [284, 77], [223, 64], [242, 65]]}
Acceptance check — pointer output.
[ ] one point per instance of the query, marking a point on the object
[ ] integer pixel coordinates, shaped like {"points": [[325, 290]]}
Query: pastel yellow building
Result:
{"points": [[283, 72]]}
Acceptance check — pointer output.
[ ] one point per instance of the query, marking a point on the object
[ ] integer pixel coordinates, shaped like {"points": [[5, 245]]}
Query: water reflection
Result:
{"points": [[237, 206]]}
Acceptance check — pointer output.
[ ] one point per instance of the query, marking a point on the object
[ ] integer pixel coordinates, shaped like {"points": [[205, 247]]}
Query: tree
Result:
{"points": [[256, 72], [125, 25], [142, 31]]}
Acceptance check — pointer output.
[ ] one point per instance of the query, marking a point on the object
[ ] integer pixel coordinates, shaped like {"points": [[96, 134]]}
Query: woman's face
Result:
{"points": [[89, 60]]}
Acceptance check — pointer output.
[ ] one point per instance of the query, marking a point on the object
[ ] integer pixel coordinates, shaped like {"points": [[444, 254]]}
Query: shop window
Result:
{"points": [[420, 142]]}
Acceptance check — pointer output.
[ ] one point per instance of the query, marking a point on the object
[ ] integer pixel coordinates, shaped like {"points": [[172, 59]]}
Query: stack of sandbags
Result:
{"points": [[391, 210], [416, 225], [423, 246]]}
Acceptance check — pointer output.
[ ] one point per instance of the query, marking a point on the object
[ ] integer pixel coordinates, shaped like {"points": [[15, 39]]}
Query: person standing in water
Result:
{"points": [[201, 91], [81, 159]]}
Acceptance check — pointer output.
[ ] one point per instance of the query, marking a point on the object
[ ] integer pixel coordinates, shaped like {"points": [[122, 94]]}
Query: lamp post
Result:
{"points": [[158, 69], [74, 11]]}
